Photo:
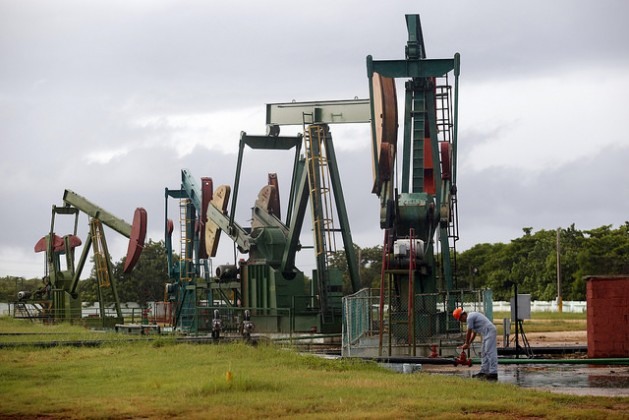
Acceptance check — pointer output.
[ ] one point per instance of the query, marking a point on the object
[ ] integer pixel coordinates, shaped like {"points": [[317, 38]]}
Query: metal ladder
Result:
{"points": [[321, 204], [320, 191], [185, 262], [419, 113], [101, 265], [185, 317], [443, 96]]}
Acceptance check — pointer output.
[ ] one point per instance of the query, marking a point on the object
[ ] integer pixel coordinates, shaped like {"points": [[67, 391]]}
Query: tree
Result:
{"points": [[144, 284], [531, 261], [571, 241], [147, 280], [87, 289], [604, 252], [475, 265], [370, 267], [11, 285]]}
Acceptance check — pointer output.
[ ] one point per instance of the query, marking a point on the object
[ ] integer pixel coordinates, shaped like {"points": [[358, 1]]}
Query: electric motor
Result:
{"points": [[402, 248], [22, 295], [226, 272]]}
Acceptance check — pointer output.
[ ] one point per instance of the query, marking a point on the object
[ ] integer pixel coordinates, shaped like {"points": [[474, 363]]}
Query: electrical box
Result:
{"points": [[524, 307]]}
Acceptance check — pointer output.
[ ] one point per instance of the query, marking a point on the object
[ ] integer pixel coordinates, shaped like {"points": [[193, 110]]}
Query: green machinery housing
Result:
{"points": [[266, 289]]}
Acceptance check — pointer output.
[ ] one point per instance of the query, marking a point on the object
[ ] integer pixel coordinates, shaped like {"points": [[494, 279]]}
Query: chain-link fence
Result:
{"points": [[382, 327]]}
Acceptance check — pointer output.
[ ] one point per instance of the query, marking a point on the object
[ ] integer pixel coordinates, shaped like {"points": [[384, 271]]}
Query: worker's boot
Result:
{"points": [[486, 376]]}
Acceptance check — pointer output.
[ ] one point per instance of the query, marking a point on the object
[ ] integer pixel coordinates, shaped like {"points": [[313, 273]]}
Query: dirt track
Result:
{"points": [[551, 339]]}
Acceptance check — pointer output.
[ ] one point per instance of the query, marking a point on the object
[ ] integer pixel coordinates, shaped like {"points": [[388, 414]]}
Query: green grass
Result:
{"points": [[161, 379], [565, 316], [187, 381], [21, 331], [547, 322]]}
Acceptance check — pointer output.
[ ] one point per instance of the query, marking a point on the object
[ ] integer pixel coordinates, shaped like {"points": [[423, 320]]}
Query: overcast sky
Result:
{"points": [[111, 99]]}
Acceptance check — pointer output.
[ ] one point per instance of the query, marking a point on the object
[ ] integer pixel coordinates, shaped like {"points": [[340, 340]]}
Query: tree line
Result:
{"points": [[144, 284], [530, 261]]}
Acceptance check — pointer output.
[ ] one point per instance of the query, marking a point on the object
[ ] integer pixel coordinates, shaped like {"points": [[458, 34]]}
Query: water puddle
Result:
{"points": [[599, 380], [564, 378]]}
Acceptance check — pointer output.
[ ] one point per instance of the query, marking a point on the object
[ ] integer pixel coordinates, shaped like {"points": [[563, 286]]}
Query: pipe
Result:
{"points": [[413, 359], [97, 343], [604, 361], [510, 351], [306, 337]]}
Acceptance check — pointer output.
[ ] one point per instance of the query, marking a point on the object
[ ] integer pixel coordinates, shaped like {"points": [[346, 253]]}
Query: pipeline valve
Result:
{"points": [[217, 324], [462, 360], [247, 325]]}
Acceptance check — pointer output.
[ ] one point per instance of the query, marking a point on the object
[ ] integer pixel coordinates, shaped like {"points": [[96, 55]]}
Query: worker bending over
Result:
{"points": [[478, 323]]}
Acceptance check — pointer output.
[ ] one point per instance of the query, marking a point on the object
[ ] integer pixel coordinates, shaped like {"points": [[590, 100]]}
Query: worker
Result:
{"points": [[477, 323]]}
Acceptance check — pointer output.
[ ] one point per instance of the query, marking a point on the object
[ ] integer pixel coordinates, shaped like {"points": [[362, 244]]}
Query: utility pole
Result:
{"points": [[559, 297]]}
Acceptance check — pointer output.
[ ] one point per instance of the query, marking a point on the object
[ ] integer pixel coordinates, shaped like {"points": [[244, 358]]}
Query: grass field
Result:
{"points": [[547, 322], [160, 379]]}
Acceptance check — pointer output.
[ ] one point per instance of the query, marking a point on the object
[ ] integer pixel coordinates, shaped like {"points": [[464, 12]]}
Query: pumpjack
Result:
{"points": [[58, 299], [266, 291], [420, 215]]}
